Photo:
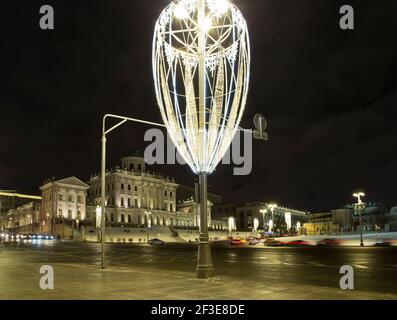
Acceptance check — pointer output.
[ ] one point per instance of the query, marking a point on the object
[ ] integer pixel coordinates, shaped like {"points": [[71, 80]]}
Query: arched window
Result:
{"points": [[171, 221], [70, 214], [129, 218], [139, 220], [164, 221], [122, 218], [112, 217]]}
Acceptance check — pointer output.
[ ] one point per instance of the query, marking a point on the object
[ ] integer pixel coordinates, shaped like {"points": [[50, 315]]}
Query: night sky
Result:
{"points": [[329, 96]]}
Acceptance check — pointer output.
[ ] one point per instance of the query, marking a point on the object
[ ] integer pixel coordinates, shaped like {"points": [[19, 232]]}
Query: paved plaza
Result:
{"points": [[162, 273]]}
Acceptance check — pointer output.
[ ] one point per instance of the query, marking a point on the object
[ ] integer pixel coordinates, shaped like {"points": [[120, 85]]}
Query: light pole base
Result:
{"points": [[204, 269]]}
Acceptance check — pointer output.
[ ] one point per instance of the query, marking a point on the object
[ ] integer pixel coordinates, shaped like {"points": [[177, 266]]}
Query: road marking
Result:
{"points": [[317, 264], [360, 266]]}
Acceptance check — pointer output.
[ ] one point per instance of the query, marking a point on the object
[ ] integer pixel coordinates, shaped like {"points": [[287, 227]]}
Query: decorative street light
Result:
{"points": [[272, 206], [256, 224], [358, 207], [148, 224], [231, 225], [288, 222], [201, 63], [263, 211]]}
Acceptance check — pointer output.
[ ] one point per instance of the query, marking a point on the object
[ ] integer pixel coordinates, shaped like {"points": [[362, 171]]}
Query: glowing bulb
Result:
{"points": [[205, 24], [218, 7], [221, 6], [180, 11]]}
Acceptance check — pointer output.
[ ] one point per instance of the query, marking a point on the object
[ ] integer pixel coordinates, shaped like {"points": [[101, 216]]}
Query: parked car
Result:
{"points": [[328, 243], [156, 242], [297, 243]]}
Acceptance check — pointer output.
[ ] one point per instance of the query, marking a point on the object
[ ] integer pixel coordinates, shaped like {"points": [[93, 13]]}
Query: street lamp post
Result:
{"points": [[263, 211], [272, 206], [148, 225], [103, 170], [231, 225], [359, 206]]}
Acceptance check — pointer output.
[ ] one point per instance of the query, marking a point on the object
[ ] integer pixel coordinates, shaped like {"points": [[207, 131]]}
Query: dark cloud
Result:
{"points": [[329, 96]]}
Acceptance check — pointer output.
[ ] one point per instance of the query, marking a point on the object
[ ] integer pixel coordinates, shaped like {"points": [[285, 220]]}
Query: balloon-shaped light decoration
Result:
{"points": [[201, 63]]}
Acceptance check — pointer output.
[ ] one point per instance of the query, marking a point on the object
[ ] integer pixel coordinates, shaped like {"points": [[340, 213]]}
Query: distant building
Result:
{"points": [[10, 199], [186, 193], [391, 224], [245, 213], [134, 195], [25, 218], [329, 222]]}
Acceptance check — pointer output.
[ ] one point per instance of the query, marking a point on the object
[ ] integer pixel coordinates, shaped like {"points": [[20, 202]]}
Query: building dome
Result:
{"points": [[133, 162]]}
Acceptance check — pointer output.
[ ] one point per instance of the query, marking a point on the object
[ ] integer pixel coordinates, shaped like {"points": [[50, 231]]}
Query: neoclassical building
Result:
{"points": [[134, 196]]}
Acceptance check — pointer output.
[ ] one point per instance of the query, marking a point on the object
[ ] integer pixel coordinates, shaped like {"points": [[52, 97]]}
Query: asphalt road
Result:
{"points": [[375, 268]]}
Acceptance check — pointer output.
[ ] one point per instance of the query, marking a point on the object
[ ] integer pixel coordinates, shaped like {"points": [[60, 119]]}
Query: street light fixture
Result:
{"points": [[263, 211], [231, 225], [148, 224], [358, 207], [272, 206], [103, 169]]}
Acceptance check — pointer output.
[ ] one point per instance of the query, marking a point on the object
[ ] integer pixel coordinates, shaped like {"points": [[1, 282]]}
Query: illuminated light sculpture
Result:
{"points": [[201, 68]]}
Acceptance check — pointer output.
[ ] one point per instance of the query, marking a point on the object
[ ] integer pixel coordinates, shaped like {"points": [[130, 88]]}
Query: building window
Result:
{"points": [[122, 186], [60, 213], [60, 197], [122, 202], [70, 198], [165, 192], [170, 193], [139, 167], [129, 202], [129, 187], [136, 202], [70, 214], [79, 199], [136, 188], [112, 217], [129, 219], [122, 218]]}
